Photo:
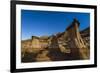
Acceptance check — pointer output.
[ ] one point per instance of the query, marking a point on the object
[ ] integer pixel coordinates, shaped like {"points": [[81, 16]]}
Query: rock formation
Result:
{"points": [[72, 44]]}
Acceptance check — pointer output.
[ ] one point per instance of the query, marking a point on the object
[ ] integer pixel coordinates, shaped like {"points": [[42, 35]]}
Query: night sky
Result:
{"points": [[46, 23]]}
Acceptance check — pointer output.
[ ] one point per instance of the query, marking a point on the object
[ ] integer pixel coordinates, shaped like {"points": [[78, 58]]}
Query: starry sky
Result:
{"points": [[46, 23]]}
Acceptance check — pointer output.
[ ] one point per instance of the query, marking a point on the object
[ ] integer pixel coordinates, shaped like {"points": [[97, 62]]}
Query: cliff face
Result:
{"points": [[71, 44], [86, 36]]}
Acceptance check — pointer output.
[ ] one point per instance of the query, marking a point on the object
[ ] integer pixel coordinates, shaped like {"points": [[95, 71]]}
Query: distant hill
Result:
{"points": [[85, 32]]}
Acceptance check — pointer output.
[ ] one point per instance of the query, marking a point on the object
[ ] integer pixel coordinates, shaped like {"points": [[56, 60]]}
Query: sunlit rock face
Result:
{"points": [[71, 44]]}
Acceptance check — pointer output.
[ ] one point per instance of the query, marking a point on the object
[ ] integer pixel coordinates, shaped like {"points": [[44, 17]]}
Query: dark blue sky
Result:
{"points": [[41, 23]]}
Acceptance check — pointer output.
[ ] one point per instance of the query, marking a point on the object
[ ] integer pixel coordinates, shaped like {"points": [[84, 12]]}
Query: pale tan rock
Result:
{"points": [[43, 56]]}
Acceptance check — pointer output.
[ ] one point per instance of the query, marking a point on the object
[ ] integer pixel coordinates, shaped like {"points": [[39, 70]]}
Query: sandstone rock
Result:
{"points": [[43, 56], [72, 44]]}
